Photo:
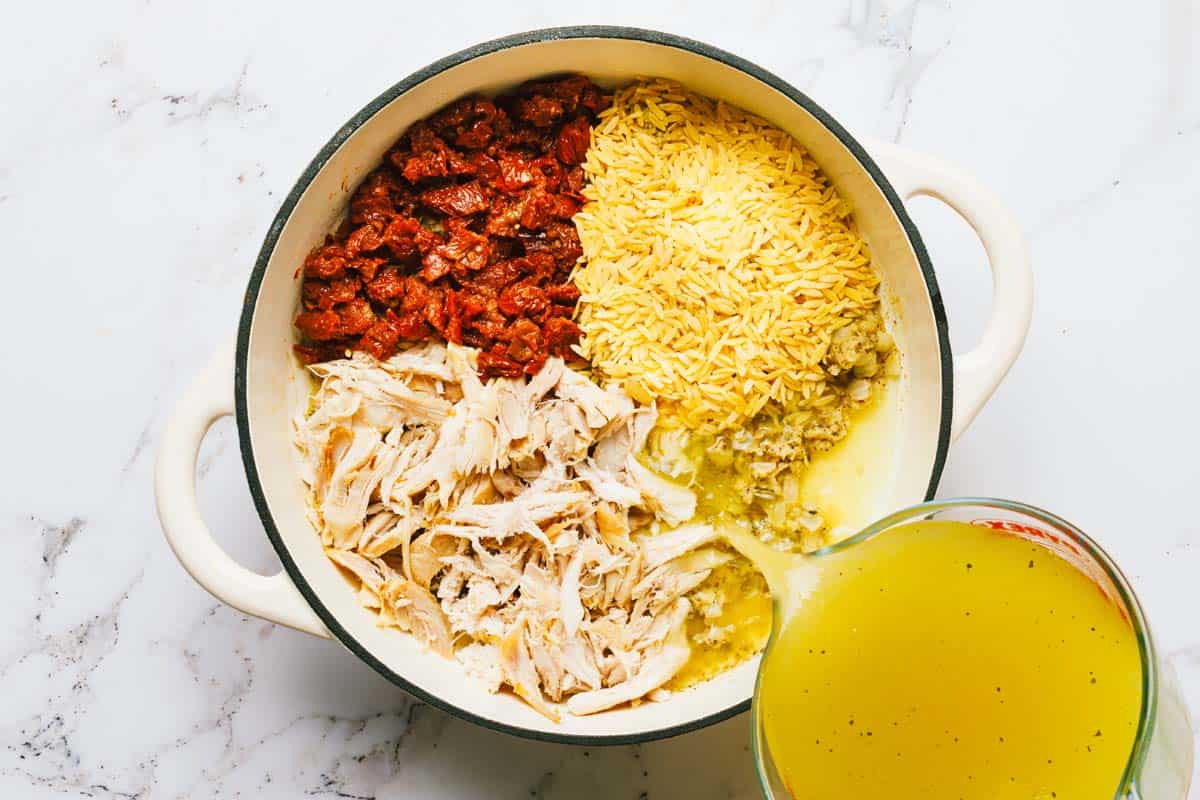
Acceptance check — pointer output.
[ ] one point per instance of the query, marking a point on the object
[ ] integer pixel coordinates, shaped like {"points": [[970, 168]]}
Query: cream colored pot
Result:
{"points": [[257, 379]]}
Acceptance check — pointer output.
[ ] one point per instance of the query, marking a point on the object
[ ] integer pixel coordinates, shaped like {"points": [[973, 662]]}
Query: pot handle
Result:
{"points": [[978, 372], [273, 597]]}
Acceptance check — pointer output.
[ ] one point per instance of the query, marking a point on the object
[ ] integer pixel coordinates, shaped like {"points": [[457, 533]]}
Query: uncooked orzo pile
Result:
{"points": [[720, 262]]}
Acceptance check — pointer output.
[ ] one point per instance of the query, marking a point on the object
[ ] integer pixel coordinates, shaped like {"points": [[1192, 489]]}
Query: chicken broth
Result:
{"points": [[839, 492], [802, 497], [730, 622], [943, 660]]}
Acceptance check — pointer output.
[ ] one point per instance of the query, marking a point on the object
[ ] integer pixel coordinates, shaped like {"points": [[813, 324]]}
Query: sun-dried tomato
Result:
{"points": [[466, 251], [538, 110], [475, 137], [381, 338], [322, 296], [376, 198], [320, 326], [526, 342], [559, 242], [457, 200], [434, 266], [356, 317], [387, 288], [573, 140], [410, 326], [327, 261], [567, 294], [496, 276], [561, 334], [405, 237], [523, 299], [574, 181], [516, 172], [462, 233], [367, 266], [364, 239], [497, 363], [539, 208]]}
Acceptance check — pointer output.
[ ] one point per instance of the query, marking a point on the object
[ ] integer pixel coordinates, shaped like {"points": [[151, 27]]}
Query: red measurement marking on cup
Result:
{"points": [[1022, 529], [1067, 549]]}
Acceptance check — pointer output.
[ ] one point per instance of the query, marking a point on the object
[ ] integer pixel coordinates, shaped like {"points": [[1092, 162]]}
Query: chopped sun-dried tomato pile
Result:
{"points": [[463, 233]]}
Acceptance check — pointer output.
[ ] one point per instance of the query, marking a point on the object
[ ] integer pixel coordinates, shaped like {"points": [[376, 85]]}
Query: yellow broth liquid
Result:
{"points": [[844, 483], [946, 660]]}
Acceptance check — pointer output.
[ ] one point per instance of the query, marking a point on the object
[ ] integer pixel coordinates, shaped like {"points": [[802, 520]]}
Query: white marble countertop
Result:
{"points": [[144, 150]]}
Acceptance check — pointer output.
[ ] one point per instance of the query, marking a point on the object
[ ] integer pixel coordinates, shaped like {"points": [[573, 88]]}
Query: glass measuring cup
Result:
{"points": [[1159, 766]]}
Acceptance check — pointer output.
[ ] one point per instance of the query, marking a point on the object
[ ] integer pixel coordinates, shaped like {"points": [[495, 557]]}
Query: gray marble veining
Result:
{"points": [[143, 152]]}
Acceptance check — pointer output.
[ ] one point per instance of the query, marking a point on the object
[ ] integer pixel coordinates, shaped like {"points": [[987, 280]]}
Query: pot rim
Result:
{"points": [[362, 117]]}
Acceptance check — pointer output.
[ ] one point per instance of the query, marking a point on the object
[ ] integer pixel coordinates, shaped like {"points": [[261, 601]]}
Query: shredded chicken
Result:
{"points": [[509, 524]]}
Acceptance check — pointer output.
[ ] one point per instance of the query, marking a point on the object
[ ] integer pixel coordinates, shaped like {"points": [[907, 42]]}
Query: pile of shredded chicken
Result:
{"points": [[508, 524]]}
